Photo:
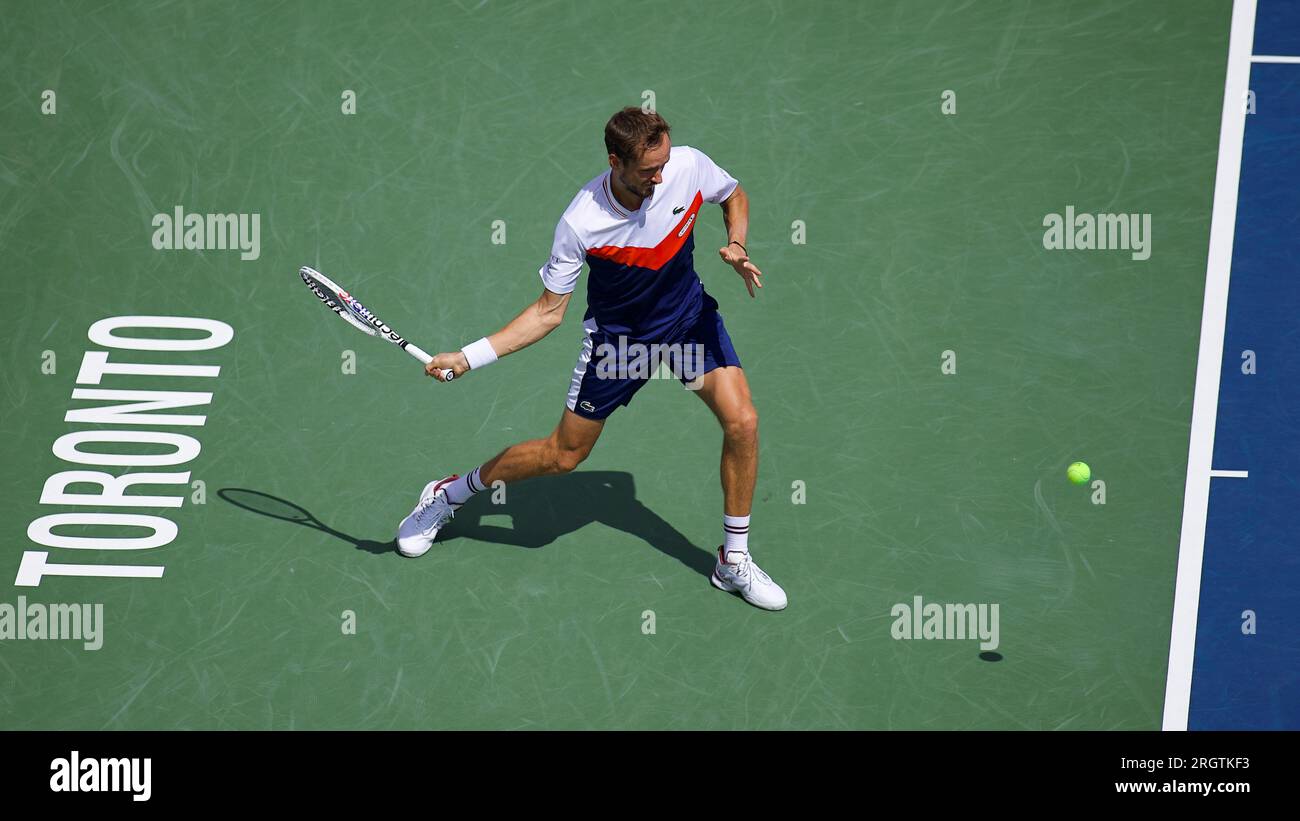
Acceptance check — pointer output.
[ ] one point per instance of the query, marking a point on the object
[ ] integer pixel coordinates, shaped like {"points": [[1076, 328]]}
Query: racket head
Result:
{"points": [[336, 299]]}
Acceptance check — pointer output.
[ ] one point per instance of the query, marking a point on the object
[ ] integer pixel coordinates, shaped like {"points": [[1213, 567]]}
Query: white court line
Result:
{"points": [[1273, 58], [1205, 407], [1229, 474]]}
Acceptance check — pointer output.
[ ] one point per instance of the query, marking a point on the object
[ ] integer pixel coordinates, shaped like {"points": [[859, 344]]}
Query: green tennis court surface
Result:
{"points": [[882, 478]]}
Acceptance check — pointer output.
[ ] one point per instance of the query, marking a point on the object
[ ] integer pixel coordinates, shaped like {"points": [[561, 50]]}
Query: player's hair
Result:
{"points": [[631, 131]]}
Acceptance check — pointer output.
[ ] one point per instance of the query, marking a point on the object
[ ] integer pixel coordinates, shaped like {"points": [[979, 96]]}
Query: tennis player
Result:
{"points": [[632, 226]]}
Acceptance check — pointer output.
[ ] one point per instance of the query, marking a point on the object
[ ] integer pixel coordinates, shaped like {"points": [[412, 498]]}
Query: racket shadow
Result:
{"points": [[544, 509], [264, 504], [540, 510]]}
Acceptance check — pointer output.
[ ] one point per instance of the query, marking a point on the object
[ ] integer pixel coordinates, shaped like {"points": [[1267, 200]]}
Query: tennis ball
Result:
{"points": [[1078, 473]]}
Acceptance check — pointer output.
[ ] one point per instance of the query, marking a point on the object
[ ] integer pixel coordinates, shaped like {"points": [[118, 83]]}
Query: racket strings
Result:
{"points": [[356, 323], [326, 293]]}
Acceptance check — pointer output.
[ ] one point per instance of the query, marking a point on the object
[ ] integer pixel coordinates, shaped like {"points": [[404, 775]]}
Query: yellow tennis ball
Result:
{"points": [[1078, 473]]}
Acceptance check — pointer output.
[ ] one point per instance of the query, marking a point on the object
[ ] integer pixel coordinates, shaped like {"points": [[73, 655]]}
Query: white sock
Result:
{"points": [[459, 491], [736, 529]]}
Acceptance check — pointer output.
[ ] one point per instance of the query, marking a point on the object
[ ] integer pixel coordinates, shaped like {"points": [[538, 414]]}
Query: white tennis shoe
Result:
{"points": [[417, 531], [736, 572]]}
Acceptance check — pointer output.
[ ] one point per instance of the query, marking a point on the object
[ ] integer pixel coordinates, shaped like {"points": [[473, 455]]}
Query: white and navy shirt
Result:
{"points": [[643, 283]]}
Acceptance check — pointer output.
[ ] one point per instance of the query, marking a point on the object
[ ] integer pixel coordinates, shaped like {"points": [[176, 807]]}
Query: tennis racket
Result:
{"points": [[359, 316]]}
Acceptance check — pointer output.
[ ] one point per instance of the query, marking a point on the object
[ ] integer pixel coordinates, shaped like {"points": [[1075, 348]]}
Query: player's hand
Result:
{"points": [[738, 259], [456, 362]]}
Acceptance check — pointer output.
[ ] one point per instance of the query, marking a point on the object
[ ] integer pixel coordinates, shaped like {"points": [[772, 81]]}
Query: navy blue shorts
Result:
{"points": [[612, 368]]}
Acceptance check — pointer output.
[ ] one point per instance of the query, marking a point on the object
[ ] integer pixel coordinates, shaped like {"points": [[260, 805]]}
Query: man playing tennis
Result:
{"points": [[632, 226]]}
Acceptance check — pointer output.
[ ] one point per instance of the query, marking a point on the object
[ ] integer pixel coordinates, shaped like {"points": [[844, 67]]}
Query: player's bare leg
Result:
{"points": [[561, 452], [726, 392], [567, 446]]}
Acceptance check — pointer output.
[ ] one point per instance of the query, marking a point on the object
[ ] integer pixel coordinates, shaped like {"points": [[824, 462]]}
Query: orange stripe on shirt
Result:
{"points": [[654, 258]]}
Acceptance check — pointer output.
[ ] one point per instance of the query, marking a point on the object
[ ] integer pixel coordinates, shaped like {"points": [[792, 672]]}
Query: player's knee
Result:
{"points": [[743, 425], [565, 458], [568, 459]]}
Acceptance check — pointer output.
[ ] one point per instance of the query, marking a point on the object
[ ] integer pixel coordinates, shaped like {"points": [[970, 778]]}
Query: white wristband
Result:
{"points": [[479, 353]]}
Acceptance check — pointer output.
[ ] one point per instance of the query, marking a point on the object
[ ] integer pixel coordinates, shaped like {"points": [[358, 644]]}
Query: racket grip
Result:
{"points": [[416, 351]]}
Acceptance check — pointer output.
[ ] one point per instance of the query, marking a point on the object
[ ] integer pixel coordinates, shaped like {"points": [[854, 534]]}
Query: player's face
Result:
{"points": [[642, 175]]}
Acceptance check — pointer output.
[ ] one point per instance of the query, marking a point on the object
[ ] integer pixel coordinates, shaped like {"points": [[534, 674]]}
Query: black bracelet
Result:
{"points": [[743, 248]]}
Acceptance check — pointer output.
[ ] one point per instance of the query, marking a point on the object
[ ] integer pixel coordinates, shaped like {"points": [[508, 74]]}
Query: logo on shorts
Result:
{"points": [[587, 406]]}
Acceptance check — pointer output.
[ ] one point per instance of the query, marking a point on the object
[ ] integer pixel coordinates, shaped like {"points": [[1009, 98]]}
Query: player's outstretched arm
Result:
{"points": [[532, 324], [735, 213]]}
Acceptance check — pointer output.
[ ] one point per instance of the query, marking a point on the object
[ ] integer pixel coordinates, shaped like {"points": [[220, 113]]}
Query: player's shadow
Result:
{"points": [[540, 511], [544, 509]]}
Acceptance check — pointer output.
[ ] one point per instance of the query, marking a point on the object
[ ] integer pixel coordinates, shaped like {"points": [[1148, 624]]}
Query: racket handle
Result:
{"points": [[416, 351]]}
